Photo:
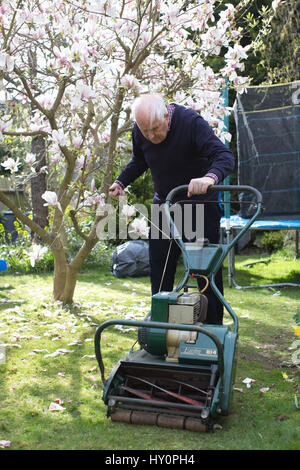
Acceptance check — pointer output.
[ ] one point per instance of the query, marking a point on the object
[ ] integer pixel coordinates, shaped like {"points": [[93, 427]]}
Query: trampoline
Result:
{"points": [[238, 223], [267, 122]]}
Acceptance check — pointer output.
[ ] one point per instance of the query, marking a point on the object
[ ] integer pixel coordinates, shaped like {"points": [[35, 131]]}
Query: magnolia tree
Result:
{"points": [[70, 71]]}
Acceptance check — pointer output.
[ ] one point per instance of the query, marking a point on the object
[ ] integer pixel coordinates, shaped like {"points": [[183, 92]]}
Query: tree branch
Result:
{"points": [[26, 220], [90, 241], [26, 133], [30, 94], [60, 93], [76, 226]]}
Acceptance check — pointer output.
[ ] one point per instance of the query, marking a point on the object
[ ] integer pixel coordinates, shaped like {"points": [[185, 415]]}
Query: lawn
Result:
{"points": [[50, 387]]}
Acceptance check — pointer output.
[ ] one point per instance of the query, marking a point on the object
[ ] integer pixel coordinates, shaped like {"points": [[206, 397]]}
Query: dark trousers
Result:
{"points": [[163, 275]]}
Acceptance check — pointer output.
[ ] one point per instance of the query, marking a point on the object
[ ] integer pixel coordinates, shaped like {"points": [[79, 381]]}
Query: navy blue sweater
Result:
{"points": [[190, 150]]}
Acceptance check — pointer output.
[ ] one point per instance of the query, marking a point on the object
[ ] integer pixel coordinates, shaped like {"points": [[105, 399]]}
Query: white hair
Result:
{"points": [[155, 105]]}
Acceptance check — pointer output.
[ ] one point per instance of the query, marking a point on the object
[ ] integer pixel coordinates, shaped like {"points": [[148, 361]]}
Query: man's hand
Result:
{"points": [[200, 185], [116, 190]]}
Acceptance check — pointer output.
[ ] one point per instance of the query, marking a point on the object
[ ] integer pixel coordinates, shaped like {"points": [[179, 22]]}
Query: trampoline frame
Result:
{"points": [[235, 223]]}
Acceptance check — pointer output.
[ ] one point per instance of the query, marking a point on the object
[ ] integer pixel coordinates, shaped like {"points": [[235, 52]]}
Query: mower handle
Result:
{"points": [[222, 187], [230, 188], [225, 248]]}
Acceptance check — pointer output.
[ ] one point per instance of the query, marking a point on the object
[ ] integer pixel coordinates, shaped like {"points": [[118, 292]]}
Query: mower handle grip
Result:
{"points": [[220, 187]]}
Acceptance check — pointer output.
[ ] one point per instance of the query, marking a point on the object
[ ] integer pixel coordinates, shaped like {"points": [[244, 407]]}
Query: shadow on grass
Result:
{"points": [[272, 348], [242, 278], [5, 301], [244, 275]]}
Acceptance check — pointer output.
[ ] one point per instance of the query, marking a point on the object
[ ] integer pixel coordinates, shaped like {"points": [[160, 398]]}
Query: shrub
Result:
{"points": [[17, 254], [272, 241]]}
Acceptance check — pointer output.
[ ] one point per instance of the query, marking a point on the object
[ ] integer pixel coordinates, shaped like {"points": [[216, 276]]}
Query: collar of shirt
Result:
{"points": [[170, 108]]}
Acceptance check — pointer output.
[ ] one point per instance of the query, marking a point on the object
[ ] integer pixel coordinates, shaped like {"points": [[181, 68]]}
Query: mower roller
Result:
{"points": [[183, 373]]}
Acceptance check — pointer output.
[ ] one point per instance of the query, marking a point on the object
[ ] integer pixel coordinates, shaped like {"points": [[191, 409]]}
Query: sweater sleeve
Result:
{"points": [[220, 158], [135, 168]]}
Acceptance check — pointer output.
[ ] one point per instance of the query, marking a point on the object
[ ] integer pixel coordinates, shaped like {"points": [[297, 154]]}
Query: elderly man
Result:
{"points": [[179, 148]]}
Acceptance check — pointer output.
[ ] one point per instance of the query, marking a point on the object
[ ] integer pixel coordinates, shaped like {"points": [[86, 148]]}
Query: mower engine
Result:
{"points": [[173, 307]]}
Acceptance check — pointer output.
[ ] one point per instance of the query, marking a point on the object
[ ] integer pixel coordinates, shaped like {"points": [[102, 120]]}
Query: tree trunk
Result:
{"points": [[38, 148], [107, 179], [70, 284], [74, 266], [60, 269], [39, 183]]}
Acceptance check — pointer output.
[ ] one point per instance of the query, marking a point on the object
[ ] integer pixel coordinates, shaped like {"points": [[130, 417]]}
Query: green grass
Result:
{"points": [[32, 377]]}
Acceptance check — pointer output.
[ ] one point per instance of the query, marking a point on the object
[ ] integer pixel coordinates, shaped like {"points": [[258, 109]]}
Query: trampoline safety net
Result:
{"points": [[268, 144]]}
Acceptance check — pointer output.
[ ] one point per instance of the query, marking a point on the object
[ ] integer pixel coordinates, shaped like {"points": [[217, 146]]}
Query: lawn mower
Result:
{"points": [[182, 374]]}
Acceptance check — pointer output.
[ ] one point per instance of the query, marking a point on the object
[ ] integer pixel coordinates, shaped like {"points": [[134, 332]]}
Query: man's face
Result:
{"points": [[156, 131]]}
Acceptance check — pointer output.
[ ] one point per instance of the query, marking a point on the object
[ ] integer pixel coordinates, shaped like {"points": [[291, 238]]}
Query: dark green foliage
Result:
{"points": [[272, 241]]}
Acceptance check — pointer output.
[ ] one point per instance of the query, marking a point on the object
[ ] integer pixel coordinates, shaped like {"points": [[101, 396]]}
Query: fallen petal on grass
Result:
{"points": [[55, 407], [58, 352], [4, 444], [59, 401], [248, 381], [236, 389]]}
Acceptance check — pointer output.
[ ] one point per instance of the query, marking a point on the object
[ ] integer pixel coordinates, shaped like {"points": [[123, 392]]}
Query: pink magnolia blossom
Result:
{"points": [[85, 92], [227, 15], [203, 14], [140, 227], [56, 155], [88, 198], [128, 211], [3, 127], [45, 101], [130, 82], [30, 158], [37, 252], [145, 37], [39, 33], [276, 4], [11, 164], [60, 138], [106, 137], [62, 56], [51, 199], [92, 199], [91, 27], [100, 198], [241, 84], [26, 15], [77, 141], [237, 52], [6, 62], [80, 162], [172, 13], [213, 40]]}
